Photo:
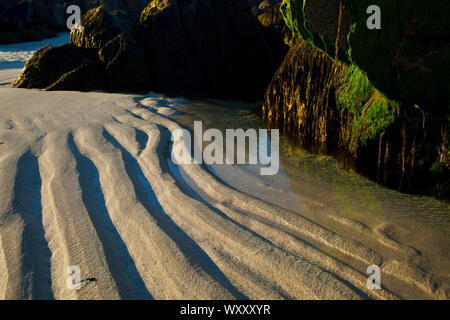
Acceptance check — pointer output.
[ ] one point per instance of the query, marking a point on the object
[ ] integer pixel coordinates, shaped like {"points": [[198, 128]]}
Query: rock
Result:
{"points": [[49, 64], [176, 69], [208, 48], [104, 55], [132, 7], [277, 34], [115, 35], [260, 6], [39, 19], [30, 20], [332, 108], [83, 78], [126, 68], [405, 59], [101, 25], [383, 110], [180, 47]]}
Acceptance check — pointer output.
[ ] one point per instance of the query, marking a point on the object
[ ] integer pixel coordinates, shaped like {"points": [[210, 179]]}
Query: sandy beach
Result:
{"points": [[86, 180]]}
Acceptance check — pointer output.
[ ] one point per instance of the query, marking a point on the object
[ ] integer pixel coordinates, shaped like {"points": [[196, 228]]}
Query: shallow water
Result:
{"points": [[340, 200]]}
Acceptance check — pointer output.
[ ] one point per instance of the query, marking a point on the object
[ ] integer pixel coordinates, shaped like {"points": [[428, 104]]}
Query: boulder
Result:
{"points": [[208, 48], [379, 102], [132, 7], [125, 65], [49, 64], [39, 19], [332, 108], [104, 55], [405, 59], [101, 25], [277, 34], [195, 48], [260, 6], [85, 77], [176, 69]]}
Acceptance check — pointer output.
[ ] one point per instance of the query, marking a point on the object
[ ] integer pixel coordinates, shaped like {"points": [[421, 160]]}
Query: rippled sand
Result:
{"points": [[86, 179]]}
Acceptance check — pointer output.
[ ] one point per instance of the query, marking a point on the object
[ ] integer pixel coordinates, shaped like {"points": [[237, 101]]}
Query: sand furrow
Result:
{"points": [[292, 243], [26, 256], [74, 239], [307, 230], [35, 251], [416, 276], [170, 266], [87, 180], [149, 200], [11, 232], [206, 225], [122, 267], [298, 226], [4, 272], [213, 187]]}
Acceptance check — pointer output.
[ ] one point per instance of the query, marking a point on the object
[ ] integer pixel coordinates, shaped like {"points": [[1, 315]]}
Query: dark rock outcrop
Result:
{"points": [[39, 19], [260, 6], [181, 47], [104, 54], [101, 25], [333, 107], [52, 67], [132, 7], [126, 67], [277, 33], [208, 47], [406, 59], [30, 20]]}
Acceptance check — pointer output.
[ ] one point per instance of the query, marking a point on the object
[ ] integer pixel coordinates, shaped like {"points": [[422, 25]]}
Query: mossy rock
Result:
{"points": [[332, 108], [406, 59]]}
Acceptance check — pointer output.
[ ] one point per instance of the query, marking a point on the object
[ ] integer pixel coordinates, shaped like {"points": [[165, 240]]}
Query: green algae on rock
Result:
{"points": [[380, 101], [333, 108], [406, 59]]}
